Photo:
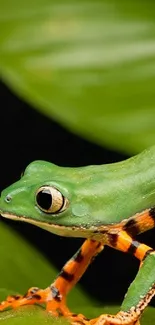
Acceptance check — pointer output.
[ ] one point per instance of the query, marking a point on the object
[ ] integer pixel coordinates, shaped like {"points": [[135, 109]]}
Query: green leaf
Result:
{"points": [[22, 267], [29, 315], [35, 315], [88, 64]]}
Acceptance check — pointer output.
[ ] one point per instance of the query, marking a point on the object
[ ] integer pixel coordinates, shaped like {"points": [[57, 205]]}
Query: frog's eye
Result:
{"points": [[50, 200]]}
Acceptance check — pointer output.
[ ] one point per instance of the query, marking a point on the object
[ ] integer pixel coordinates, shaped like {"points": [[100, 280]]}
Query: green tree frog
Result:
{"points": [[107, 205]]}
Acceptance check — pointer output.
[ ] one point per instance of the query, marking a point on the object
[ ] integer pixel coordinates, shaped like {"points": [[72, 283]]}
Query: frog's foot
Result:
{"points": [[122, 318], [119, 319], [33, 295], [55, 305]]}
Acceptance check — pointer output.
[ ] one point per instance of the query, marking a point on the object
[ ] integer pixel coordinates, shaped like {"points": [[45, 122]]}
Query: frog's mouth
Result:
{"points": [[66, 231]]}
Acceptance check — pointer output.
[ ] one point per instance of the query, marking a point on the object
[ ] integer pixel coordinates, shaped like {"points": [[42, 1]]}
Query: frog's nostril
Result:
{"points": [[8, 198]]}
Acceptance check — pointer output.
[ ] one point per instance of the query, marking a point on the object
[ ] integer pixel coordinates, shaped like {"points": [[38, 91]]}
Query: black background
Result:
{"points": [[27, 135]]}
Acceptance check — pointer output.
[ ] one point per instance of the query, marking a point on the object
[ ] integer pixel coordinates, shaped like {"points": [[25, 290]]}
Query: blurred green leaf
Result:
{"points": [[88, 64], [22, 267], [29, 315], [34, 314]]}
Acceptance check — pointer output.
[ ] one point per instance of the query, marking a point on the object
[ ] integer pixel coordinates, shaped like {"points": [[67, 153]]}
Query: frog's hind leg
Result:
{"points": [[126, 317], [55, 295], [142, 288]]}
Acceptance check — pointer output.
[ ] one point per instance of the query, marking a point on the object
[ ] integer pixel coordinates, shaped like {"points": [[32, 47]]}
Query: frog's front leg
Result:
{"points": [[70, 275], [55, 295], [142, 288]]}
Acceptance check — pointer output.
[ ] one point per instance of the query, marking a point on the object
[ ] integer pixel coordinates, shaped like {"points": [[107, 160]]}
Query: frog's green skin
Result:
{"points": [[109, 203], [98, 195]]}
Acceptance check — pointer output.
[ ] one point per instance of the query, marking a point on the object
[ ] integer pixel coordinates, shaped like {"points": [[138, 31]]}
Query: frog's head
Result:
{"points": [[47, 196]]}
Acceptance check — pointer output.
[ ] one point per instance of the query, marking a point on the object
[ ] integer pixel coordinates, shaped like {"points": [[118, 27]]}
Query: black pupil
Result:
{"points": [[44, 199]]}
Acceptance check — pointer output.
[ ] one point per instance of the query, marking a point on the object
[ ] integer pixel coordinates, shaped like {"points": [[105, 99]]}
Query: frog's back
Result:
{"points": [[121, 189]]}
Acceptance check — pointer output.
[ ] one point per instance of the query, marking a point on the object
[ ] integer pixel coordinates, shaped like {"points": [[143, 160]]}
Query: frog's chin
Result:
{"points": [[67, 231]]}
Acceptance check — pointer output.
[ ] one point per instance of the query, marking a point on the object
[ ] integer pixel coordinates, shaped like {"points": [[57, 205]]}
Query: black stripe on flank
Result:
{"points": [[66, 276], [133, 247], [131, 227], [113, 238], [148, 253], [78, 257]]}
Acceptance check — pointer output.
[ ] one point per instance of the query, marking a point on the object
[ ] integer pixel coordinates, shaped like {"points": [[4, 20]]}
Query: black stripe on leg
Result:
{"points": [[55, 293], [131, 227], [113, 238], [98, 245], [133, 247], [152, 214], [78, 257], [148, 253], [66, 276], [16, 297], [33, 290], [36, 296]]}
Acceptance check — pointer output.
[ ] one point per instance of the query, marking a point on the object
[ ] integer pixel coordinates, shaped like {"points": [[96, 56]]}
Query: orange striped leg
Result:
{"points": [[70, 275], [140, 222], [122, 241], [55, 295]]}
